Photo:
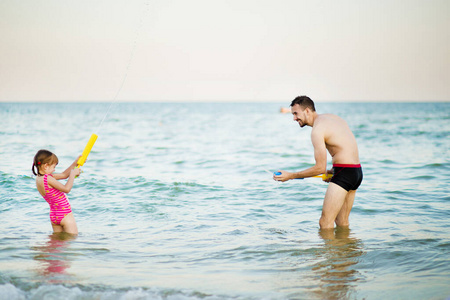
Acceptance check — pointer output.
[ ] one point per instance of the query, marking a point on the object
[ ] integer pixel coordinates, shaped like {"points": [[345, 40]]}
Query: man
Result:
{"points": [[329, 132]]}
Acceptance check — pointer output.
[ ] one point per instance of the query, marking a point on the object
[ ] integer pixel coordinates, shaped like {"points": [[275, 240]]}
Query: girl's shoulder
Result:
{"points": [[41, 178], [40, 185]]}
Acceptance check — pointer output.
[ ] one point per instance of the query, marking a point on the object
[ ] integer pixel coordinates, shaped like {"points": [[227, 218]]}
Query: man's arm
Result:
{"points": [[320, 151], [320, 155]]}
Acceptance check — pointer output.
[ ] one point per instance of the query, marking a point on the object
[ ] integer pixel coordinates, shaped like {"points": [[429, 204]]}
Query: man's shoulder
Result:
{"points": [[327, 123], [324, 119], [328, 118]]}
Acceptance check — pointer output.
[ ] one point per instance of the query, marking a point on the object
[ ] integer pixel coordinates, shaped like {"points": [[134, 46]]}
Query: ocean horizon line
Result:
{"points": [[217, 101]]}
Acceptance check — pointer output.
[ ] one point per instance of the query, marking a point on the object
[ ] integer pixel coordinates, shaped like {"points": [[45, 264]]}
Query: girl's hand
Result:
{"points": [[76, 161], [75, 172]]}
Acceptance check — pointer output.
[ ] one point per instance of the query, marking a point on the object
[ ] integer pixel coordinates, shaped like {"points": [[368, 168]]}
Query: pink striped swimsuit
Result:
{"points": [[59, 205]]}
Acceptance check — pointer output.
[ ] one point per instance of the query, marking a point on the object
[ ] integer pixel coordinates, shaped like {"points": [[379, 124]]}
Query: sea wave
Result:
{"points": [[10, 292]]}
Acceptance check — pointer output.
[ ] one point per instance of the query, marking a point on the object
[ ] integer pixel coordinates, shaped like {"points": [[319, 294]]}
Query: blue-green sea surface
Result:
{"points": [[175, 202]]}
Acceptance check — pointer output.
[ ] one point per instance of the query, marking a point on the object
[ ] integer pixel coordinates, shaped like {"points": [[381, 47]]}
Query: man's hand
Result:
{"points": [[284, 176], [329, 172]]}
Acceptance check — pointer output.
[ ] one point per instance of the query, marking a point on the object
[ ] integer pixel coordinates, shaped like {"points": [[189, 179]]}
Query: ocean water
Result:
{"points": [[175, 202]]}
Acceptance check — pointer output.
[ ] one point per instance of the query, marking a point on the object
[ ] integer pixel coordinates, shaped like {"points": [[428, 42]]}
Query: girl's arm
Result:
{"points": [[66, 173], [65, 188]]}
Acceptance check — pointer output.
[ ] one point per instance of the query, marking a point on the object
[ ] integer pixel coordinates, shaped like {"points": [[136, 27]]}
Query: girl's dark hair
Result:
{"points": [[43, 157], [304, 102]]}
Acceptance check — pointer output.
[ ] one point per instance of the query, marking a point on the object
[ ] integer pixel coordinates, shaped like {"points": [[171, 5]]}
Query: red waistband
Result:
{"points": [[346, 166]]}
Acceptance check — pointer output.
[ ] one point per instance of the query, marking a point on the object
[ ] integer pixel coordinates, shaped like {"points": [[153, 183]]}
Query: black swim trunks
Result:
{"points": [[349, 177]]}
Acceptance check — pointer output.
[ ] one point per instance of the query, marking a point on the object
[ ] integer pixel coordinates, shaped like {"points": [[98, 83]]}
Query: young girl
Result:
{"points": [[54, 192]]}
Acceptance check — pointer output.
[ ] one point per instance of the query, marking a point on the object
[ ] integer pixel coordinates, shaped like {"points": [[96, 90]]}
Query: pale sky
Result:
{"points": [[224, 50]]}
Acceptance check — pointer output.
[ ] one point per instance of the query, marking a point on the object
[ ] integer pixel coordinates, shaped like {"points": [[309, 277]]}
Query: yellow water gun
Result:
{"points": [[87, 150], [323, 176]]}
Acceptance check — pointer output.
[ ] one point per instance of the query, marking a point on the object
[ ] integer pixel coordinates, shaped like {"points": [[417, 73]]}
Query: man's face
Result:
{"points": [[299, 115]]}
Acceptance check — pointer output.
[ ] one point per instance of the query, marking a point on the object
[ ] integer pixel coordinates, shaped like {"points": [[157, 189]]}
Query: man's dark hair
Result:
{"points": [[304, 102]]}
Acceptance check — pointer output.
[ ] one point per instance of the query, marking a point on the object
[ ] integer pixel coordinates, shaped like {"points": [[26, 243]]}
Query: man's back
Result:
{"points": [[339, 139]]}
